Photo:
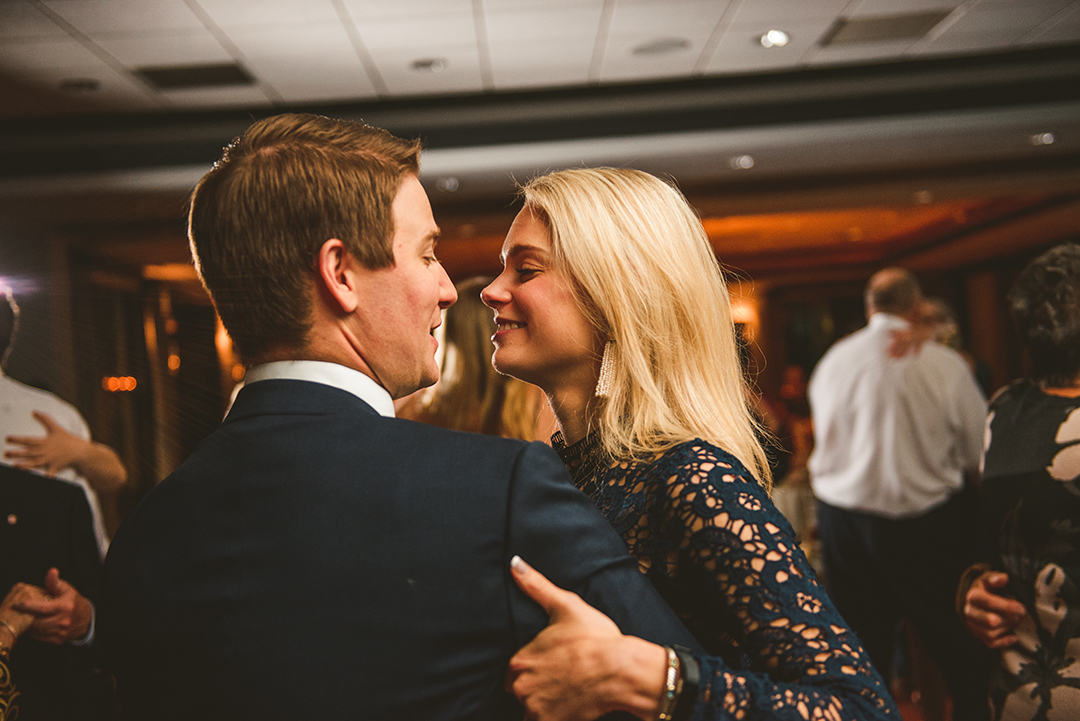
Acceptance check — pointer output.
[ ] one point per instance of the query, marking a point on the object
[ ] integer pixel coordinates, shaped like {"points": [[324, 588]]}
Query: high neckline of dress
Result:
{"points": [[584, 459]]}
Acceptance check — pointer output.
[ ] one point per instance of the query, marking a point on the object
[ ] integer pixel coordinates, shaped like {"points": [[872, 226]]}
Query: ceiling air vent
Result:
{"points": [[195, 76], [850, 31]]}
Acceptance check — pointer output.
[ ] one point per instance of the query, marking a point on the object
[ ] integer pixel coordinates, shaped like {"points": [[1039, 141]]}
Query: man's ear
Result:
{"points": [[337, 271]]}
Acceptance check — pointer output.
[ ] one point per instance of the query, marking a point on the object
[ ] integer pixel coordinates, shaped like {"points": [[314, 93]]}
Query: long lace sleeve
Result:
{"points": [[805, 662]]}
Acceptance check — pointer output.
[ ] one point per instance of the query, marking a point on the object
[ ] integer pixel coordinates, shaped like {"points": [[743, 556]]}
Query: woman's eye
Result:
{"points": [[525, 272]]}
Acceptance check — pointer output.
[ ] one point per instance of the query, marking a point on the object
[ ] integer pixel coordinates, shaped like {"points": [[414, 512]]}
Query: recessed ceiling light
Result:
{"points": [[1042, 139], [429, 65], [662, 46], [742, 162], [774, 39]]}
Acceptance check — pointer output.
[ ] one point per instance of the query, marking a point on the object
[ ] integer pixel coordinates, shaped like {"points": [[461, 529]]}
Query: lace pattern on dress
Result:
{"points": [[705, 532]]}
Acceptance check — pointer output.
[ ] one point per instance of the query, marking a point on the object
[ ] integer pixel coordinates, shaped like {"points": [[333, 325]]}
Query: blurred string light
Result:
{"points": [[1042, 139], [115, 384]]}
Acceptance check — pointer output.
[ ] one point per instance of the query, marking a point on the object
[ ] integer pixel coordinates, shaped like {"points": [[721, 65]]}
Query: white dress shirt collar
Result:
{"points": [[330, 374], [887, 320]]}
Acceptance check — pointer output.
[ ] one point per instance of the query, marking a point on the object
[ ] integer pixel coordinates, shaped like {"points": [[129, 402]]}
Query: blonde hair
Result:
{"points": [[644, 273]]}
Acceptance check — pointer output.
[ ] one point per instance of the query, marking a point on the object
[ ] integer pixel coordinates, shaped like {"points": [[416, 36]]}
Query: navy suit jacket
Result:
{"points": [[44, 523], [313, 559]]}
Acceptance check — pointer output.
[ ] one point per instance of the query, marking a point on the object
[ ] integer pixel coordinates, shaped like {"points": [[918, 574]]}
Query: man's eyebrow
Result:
{"points": [[519, 248]]}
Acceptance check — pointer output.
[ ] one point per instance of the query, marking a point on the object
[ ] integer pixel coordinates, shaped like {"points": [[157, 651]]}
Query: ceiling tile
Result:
{"points": [[63, 52], [535, 28], [305, 62], [414, 9], [102, 16], [243, 13], [1062, 28], [692, 19], [331, 83], [422, 36], [526, 5], [636, 26], [155, 49], [20, 20], [549, 65], [880, 8], [781, 11], [992, 25]]}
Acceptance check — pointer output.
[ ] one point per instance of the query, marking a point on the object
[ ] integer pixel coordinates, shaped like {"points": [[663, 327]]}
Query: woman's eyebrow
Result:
{"points": [[519, 248]]}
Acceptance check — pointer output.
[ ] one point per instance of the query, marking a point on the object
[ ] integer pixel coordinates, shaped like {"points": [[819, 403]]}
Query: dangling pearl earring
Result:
{"points": [[607, 371]]}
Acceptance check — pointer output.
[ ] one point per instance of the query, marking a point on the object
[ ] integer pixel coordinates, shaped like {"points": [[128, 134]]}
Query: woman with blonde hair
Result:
{"points": [[612, 301]]}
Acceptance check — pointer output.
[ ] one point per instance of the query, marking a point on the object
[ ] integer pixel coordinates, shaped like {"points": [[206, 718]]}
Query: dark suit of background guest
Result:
{"points": [[46, 523], [364, 559]]}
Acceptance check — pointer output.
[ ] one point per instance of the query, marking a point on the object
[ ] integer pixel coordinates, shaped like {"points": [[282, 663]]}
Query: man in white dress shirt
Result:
{"points": [[894, 437]]}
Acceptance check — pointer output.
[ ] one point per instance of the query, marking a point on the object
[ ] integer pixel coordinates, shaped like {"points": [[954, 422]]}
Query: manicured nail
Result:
{"points": [[518, 565]]}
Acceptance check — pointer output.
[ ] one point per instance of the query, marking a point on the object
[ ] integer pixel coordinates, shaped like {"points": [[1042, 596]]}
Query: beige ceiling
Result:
{"points": [[931, 185], [317, 51]]}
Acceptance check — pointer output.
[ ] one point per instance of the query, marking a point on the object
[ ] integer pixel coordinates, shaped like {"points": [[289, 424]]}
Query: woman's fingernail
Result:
{"points": [[518, 564]]}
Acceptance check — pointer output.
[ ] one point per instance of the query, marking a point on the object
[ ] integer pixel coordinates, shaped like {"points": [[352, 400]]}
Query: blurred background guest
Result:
{"points": [[65, 451], [1026, 601], [893, 439], [941, 318]]}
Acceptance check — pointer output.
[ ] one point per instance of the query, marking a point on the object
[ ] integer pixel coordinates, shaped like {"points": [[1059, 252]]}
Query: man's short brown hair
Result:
{"points": [[281, 190]]}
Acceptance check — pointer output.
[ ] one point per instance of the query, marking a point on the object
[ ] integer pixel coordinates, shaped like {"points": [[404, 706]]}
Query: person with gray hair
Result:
{"points": [[894, 437]]}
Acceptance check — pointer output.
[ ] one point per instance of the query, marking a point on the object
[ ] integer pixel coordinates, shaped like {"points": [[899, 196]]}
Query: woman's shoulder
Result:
{"points": [[702, 459]]}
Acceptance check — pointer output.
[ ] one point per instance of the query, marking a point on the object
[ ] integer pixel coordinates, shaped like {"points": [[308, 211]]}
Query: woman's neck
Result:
{"points": [[575, 409]]}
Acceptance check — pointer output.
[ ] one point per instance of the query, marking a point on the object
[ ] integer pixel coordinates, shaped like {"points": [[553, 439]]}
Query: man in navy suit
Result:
{"points": [[316, 557]]}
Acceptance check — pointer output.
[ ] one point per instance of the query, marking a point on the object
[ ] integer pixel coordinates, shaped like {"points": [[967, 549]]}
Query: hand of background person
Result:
{"points": [[581, 666], [51, 453], [990, 617], [61, 614], [58, 449], [16, 621]]}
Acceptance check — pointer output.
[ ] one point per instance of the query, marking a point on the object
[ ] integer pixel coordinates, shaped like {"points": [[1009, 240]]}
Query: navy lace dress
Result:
{"points": [[706, 534]]}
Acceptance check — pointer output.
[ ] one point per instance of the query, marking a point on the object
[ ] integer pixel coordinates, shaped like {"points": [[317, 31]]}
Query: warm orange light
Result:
{"points": [[174, 362], [114, 384], [238, 372]]}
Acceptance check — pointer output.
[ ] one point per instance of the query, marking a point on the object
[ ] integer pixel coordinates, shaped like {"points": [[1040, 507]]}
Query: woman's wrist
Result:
{"points": [[637, 670]]}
